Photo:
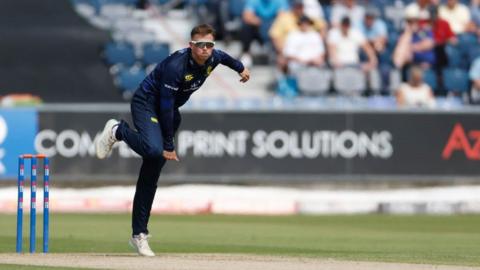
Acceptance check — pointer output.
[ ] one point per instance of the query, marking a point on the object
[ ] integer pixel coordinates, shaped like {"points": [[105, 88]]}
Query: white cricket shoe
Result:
{"points": [[104, 143], [140, 244]]}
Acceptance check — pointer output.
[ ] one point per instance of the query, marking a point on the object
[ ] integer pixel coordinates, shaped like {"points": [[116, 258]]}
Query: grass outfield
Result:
{"points": [[412, 239]]}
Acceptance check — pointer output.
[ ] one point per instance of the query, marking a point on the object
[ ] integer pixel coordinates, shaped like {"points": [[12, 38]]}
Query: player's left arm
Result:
{"points": [[234, 64]]}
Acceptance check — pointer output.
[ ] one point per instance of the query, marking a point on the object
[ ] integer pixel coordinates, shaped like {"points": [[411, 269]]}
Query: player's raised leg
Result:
{"points": [[104, 143]]}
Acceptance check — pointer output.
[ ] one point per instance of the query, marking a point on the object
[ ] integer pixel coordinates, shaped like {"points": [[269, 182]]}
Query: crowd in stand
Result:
{"points": [[413, 50]]}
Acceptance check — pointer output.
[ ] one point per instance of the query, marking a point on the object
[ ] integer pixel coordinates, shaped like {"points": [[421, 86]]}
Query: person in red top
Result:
{"points": [[442, 35]]}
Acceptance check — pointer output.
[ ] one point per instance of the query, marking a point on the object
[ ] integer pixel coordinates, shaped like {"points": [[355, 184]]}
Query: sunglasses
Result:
{"points": [[202, 44]]}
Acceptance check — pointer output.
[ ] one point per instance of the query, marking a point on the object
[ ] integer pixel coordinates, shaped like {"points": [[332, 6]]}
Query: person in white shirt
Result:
{"points": [[457, 15], [313, 9], [474, 75], [420, 7], [416, 93], [347, 8], [344, 44], [304, 47]]}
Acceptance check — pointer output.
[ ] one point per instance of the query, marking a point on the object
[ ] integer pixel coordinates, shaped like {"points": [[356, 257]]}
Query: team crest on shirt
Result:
{"points": [[188, 77], [209, 70]]}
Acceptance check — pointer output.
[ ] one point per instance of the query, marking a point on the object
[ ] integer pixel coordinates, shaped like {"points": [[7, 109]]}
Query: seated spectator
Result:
{"points": [[344, 44], [313, 9], [415, 45], [475, 12], [304, 47], [419, 7], [347, 8], [374, 29], [258, 17], [474, 75], [457, 15], [442, 32], [284, 24], [416, 93], [443, 35]]}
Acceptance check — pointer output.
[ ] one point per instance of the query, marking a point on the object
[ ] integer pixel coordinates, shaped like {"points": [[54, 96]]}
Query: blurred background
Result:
{"points": [[352, 107]]}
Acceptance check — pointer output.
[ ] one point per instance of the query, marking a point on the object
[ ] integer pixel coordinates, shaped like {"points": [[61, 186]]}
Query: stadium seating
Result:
{"points": [[455, 80], [430, 78], [119, 53], [314, 81], [454, 56], [473, 53], [235, 8], [349, 81], [134, 45], [128, 80], [154, 53]]}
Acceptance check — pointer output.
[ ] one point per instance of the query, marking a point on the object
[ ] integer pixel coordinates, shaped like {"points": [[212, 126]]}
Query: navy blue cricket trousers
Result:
{"points": [[147, 141]]}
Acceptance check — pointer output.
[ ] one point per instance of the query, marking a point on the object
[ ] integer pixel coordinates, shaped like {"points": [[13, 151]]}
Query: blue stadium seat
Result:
{"points": [[473, 53], [430, 78], [119, 53], [467, 41], [154, 53], [391, 28], [454, 56], [235, 8], [455, 80], [128, 79]]}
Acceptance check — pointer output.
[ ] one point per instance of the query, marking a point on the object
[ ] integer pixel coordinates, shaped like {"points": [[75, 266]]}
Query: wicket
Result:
{"points": [[33, 200]]}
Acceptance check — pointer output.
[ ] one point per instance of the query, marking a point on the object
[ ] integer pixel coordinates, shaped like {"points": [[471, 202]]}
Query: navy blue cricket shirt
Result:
{"points": [[175, 79]]}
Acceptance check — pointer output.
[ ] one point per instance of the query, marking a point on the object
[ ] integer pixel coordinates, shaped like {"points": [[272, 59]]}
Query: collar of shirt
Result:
{"points": [[193, 65]]}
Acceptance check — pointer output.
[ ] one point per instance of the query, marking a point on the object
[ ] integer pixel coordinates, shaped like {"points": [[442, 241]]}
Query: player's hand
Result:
{"points": [[170, 155], [245, 75]]}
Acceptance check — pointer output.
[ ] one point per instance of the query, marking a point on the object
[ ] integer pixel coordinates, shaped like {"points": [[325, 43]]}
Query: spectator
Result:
{"points": [[475, 12], [313, 9], [258, 16], [344, 44], [415, 45], [442, 32], [474, 75], [374, 29], [215, 13], [457, 15], [285, 23], [347, 8], [443, 35], [420, 7], [416, 93], [304, 47]]}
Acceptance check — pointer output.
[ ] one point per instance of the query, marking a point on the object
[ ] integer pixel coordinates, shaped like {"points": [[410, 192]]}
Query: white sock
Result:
{"points": [[114, 131]]}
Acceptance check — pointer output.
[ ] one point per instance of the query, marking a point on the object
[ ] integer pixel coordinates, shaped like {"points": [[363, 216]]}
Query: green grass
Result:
{"points": [[412, 239]]}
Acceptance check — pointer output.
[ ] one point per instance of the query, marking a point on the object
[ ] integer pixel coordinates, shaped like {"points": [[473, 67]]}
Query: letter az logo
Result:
{"points": [[459, 141]]}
